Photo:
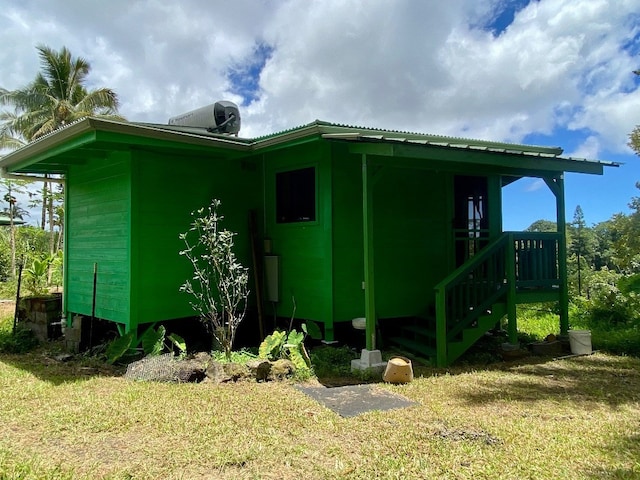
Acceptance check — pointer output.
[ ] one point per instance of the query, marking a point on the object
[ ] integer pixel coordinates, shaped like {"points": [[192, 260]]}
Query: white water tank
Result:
{"points": [[219, 117]]}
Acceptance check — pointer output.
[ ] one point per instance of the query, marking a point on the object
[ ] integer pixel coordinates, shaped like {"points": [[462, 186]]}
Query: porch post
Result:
{"points": [[556, 185], [369, 286], [562, 257], [512, 326]]}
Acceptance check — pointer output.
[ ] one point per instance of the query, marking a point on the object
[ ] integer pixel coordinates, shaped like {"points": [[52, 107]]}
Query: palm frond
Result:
{"points": [[102, 98], [10, 142], [57, 96], [45, 128]]}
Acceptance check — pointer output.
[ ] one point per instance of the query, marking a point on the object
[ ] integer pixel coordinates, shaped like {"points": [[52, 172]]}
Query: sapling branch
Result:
{"points": [[219, 283]]}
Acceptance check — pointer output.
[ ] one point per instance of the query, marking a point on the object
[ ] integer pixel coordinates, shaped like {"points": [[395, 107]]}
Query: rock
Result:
{"points": [[203, 357], [260, 369], [192, 371], [236, 371], [215, 373], [161, 368], [282, 368]]}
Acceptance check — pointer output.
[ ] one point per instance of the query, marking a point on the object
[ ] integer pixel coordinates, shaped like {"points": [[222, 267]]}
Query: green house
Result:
{"points": [[403, 229]]}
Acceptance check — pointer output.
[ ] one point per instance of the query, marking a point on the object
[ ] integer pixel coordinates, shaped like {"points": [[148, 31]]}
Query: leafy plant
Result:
{"points": [[219, 282], [281, 344], [239, 356], [312, 329], [152, 342], [55, 269], [178, 343], [119, 347], [271, 346], [20, 341], [329, 361], [35, 275]]}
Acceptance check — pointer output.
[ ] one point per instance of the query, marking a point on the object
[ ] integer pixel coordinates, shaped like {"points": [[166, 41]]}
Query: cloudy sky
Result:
{"points": [[549, 72]]}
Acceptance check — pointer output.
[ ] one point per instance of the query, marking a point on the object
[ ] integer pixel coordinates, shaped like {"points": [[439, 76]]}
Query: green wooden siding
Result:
{"points": [[411, 239], [304, 248], [348, 255], [166, 190], [98, 198], [125, 213]]}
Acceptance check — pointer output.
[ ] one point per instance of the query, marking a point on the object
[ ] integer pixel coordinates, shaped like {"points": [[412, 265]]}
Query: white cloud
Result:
{"points": [[426, 66], [534, 184], [411, 65], [589, 149]]}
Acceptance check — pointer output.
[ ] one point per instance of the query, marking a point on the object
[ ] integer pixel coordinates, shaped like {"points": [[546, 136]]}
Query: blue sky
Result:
{"points": [[546, 72]]}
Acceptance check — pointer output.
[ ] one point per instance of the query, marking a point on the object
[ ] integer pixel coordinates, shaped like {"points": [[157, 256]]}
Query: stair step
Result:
{"points": [[420, 330], [414, 346], [471, 335]]}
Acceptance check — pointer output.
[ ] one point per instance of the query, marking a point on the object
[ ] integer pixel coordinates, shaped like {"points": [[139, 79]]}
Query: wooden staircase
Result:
{"points": [[419, 337], [477, 295]]}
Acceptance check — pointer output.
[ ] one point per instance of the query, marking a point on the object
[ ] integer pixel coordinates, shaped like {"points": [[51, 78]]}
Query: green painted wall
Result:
{"points": [[411, 223], [305, 248], [98, 198], [412, 243], [348, 256], [125, 213], [167, 188]]}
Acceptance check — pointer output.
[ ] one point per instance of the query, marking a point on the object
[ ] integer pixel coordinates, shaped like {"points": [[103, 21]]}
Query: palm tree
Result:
{"points": [[55, 98]]}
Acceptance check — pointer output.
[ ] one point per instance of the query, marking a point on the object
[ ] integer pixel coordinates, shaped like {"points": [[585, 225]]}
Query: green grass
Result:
{"points": [[573, 418], [20, 341], [535, 322]]}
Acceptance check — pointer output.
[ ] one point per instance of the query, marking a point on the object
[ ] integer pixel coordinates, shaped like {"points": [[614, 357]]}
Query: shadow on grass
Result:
{"points": [[49, 366], [626, 451], [602, 379]]}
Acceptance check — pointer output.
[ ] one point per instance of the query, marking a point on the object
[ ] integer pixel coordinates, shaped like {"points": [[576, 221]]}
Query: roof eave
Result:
{"points": [[37, 150], [33, 152]]}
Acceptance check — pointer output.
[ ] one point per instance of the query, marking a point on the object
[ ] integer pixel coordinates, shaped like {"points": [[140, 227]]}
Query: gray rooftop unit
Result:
{"points": [[220, 117]]}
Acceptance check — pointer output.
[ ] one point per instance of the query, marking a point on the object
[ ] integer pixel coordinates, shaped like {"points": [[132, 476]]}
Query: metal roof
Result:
{"points": [[493, 147], [319, 129], [5, 220], [351, 130]]}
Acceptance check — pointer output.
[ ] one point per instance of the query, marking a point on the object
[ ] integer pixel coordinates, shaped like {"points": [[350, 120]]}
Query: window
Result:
{"points": [[471, 223], [296, 196]]}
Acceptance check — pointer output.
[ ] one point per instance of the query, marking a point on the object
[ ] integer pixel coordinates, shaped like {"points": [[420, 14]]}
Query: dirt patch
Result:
{"points": [[7, 308], [457, 435]]}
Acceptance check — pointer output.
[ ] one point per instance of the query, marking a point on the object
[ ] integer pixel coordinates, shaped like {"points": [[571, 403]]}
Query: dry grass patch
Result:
{"points": [[575, 418]]}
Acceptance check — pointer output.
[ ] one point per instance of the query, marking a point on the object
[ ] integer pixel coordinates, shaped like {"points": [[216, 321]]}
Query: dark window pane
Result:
{"points": [[296, 196]]}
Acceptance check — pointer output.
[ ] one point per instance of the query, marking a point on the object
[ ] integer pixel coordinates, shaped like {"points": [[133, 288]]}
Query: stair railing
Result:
{"points": [[513, 262]]}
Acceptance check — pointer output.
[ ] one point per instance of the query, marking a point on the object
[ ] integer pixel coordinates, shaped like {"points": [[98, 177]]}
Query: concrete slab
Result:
{"points": [[370, 360], [353, 400]]}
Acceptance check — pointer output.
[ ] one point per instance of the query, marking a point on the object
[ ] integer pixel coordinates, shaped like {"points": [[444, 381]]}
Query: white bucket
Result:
{"points": [[580, 342]]}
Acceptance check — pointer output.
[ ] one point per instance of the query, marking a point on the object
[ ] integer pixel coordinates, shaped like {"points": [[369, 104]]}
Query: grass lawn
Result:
{"points": [[538, 419]]}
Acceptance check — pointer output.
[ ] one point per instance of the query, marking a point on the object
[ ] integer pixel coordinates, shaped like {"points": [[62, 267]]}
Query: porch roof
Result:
{"points": [[92, 135]]}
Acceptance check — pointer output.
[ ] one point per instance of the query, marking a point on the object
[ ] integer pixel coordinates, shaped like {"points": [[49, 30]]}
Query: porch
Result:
{"points": [[518, 267]]}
